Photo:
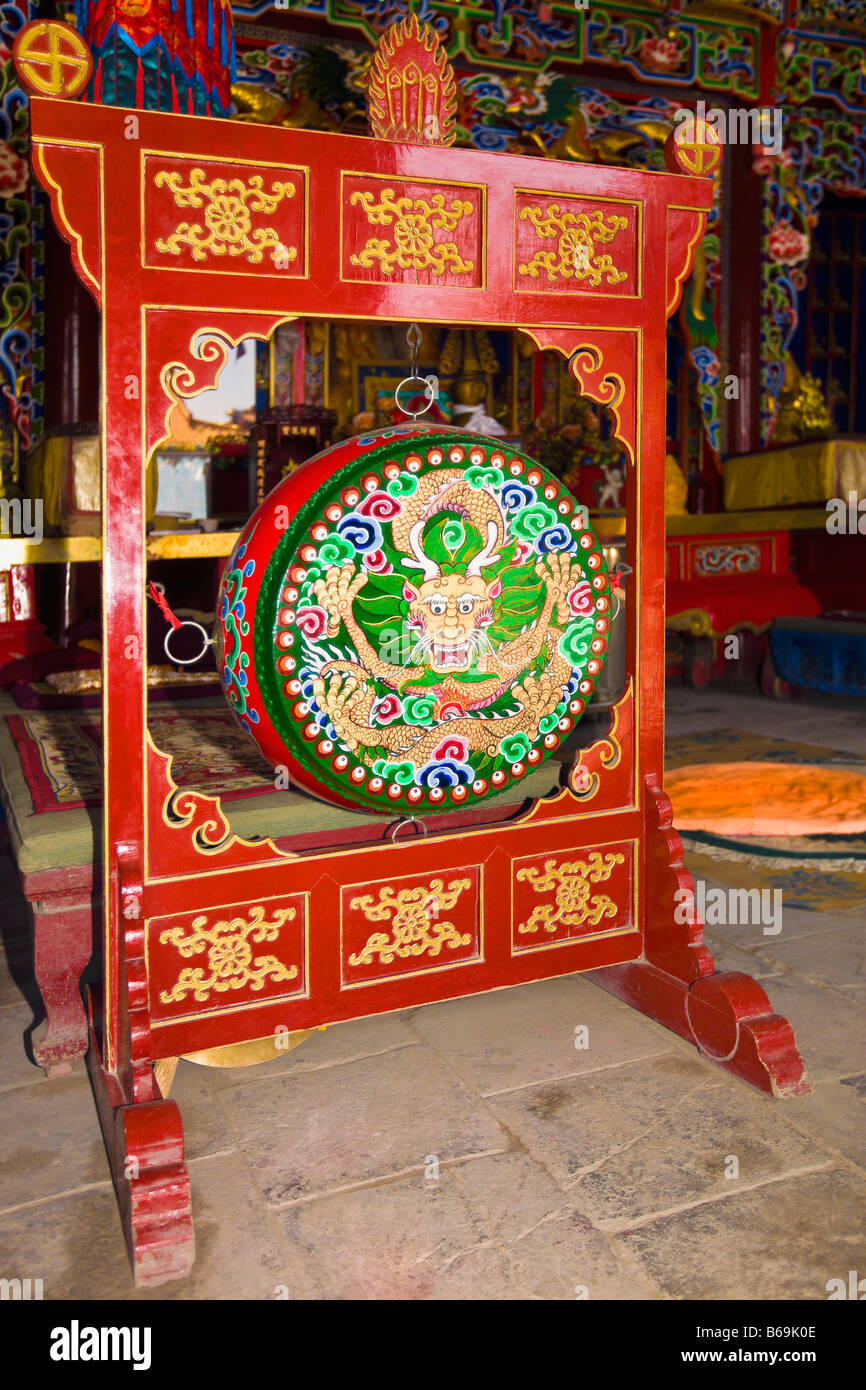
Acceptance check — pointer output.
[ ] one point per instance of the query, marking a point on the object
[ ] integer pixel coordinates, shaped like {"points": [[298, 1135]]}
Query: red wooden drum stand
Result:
{"points": [[191, 235]]}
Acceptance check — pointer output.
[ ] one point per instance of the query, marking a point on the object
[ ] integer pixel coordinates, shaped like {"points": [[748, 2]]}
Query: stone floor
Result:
{"points": [[469, 1150]]}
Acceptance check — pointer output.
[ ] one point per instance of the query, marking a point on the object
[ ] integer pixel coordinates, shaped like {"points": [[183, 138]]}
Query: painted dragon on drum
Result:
{"points": [[470, 582]]}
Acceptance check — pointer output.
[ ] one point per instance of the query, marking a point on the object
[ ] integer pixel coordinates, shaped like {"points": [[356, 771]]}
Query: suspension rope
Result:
{"points": [[157, 593]]}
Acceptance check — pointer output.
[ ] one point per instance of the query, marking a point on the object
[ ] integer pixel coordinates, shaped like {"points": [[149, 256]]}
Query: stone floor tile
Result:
{"points": [[375, 1118], [799, 923], [727, 956], [835, 957], [517, 1037], [831, 722], [50, 1140], [835, 1114], [492, 1228], [17, 1069], [75, 1244], [653, 1136], [785, 1240], [746, 935]]}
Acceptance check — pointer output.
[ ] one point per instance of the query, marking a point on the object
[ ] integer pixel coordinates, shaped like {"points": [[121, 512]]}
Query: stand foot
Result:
{"points": [[55, 1048], [772, 685], [697, 661], [728, 1017], [145, 1150]]}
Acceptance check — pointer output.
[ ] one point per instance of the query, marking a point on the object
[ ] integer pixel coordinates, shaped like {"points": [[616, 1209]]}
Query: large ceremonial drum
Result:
{"points": [[413, 620]]}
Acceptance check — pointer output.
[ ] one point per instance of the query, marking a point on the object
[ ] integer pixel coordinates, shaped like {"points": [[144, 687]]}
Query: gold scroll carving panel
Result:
{"points": [[231, 216], [250, 953], [572, 894], [410, 926], [575, 245], [396, 231]]}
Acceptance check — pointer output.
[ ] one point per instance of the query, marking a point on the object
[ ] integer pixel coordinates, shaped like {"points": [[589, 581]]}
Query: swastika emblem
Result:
{"points": [[52, 59], [693, 147]]}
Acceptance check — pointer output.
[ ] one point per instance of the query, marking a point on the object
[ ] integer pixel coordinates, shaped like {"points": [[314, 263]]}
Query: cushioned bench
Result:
{"points": [[51, 759]]}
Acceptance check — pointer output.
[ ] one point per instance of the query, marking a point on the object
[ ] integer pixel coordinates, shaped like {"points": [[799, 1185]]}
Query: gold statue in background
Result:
{"points": [[469, 363], [676, 488], [803, 412]]}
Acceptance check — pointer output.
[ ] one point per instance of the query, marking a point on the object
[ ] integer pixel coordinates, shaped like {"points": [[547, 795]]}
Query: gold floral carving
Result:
{"points": [[230, 961], [576, 233], [228, 225], [575, 905], [417, 928], [412, 246]]}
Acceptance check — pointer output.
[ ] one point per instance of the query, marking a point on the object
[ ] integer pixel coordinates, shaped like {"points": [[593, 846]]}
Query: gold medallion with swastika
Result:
{"points": [[52, 59]]}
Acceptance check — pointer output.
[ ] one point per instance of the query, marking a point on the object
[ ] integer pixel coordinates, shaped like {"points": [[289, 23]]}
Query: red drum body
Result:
{"points": [[413, 620]]}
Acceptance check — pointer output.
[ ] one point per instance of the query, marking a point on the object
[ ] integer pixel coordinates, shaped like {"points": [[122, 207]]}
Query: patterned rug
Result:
{"points": [[817, 873], [738, 745], [61, 756], [809, 877], [846, 853]]}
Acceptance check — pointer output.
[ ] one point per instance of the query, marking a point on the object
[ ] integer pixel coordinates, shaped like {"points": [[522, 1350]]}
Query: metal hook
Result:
{"points": [[414, 337], [420, 827]]}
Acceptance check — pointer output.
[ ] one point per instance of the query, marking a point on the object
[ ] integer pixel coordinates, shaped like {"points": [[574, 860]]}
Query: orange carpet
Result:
{"points": [[762, 798]]}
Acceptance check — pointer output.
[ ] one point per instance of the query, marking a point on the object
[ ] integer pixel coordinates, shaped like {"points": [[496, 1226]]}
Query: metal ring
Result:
{"points": [[391, 832], [186, 660], [428, 392]]}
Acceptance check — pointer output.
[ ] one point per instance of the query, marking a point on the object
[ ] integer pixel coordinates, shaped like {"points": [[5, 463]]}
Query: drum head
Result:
{"points": [[413, 620]]}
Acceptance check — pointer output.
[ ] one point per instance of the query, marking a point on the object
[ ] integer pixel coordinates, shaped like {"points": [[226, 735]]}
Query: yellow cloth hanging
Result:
{"points": [[65, 472], [802, 473]]}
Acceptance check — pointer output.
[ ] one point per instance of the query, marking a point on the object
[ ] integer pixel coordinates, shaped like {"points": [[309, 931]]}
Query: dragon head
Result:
{"points": [[448, 614]]}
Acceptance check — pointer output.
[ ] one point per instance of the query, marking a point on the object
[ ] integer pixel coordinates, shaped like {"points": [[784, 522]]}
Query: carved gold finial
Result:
{"points": [[411, 92]]}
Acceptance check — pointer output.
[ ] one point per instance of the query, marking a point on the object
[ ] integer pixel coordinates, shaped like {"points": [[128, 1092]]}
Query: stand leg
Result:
{"points": [[772, 685], [62, 946], [728, 1017], [697, 661], [144, 1142]]}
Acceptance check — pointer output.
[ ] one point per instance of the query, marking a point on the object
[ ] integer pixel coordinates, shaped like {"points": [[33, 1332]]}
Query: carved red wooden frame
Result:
{"points": [[167, 314]]}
